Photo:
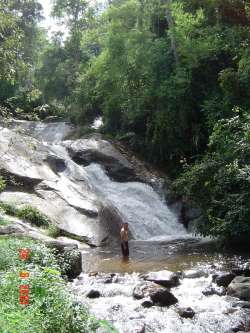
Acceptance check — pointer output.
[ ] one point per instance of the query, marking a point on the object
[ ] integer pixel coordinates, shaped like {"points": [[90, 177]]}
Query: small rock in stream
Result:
{"points": [[214, 291], [163, 297], [164, 278], [186, 312], [194, 274], [147, 303], [93, 294]]}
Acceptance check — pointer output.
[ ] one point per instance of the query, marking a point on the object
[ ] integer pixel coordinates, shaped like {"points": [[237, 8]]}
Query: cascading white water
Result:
{"points": [[139, 205]]}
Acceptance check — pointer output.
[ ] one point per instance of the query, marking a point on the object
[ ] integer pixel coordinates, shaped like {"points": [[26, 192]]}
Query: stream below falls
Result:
{"points": [[115, 279]]}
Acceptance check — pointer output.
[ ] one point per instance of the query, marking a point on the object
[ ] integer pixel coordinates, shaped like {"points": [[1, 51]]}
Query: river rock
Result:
{"points": [[224, 279], [93, 294], [158, 295], [142, 290], [242, 304], [163, 297], [147, 303], [194, 274], [186, 312], [164, 278], [210, 290], [97, 150], [240, 287]]}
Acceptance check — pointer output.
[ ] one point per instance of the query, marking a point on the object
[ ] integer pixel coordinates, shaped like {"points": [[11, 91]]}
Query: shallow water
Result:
{"points": [[213, 314], [148, 256]]}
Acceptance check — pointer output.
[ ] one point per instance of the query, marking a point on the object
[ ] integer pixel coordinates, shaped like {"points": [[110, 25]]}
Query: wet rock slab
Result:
{"points": [[240, 287], [164, 278]]}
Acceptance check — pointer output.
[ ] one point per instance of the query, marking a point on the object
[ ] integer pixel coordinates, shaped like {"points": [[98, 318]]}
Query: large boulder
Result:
{"points": [[240, 287], [70, 221], [164, 278]]}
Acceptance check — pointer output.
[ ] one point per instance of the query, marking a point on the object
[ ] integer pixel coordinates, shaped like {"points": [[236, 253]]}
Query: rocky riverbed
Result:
{"points": [[199, 300]]}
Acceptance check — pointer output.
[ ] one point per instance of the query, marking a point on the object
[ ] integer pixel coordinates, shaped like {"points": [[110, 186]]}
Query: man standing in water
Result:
{"points": [[124, 240]]}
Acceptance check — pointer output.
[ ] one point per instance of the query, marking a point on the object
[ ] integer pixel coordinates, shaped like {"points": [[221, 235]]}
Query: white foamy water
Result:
{"points": [[138, 204]]}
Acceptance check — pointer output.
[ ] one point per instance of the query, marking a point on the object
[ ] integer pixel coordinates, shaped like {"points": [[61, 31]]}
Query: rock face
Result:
{"points": [[240, 287], [43, 175], [86, 151], [69, 182], [164, 278]]}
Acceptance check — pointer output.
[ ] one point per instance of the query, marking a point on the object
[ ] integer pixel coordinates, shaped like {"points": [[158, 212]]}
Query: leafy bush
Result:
{"points": [[220, 182], [51, 307], [33, 216], [3, 221], [2, 184], [53, 231], [8, 208]]}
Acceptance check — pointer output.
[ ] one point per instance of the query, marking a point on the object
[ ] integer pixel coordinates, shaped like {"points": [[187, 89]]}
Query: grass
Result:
{"points": [[27, 213], [33, 215], [51, 308], [4, 221], [53, 231], [8, 208], [2, 184]]}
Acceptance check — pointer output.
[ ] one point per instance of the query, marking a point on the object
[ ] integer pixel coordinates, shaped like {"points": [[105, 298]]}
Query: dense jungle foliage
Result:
{"points": [[170, 78]]}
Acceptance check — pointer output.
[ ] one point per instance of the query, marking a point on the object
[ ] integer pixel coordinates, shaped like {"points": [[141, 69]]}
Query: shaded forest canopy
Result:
{"points": [[170, 77]]}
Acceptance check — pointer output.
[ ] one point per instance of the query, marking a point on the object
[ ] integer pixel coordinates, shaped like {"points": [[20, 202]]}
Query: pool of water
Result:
{"points": [[145, 256]]}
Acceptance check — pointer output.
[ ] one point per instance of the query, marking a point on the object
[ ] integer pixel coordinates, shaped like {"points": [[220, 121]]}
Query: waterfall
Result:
{"points": [[138, 204]]}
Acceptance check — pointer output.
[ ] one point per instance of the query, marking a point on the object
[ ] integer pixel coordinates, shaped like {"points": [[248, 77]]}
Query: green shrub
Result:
{"points": [[33, 216], [3, 221], [2, 184], [220, 182], [51, 308], [53, 231], [8, 208]]}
